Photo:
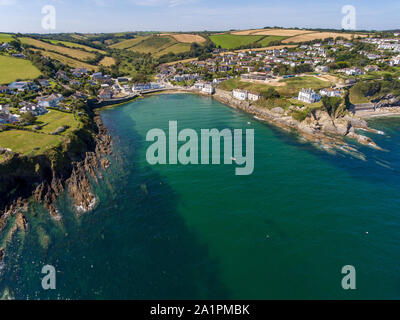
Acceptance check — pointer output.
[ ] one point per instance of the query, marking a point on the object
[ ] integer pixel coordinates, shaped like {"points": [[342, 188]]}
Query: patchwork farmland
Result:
{"points": [[72, 54], [264, 37], [158, 45]]}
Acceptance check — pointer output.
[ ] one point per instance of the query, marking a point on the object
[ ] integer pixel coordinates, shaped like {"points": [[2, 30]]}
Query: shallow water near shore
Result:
{"points": [[201, 232]]}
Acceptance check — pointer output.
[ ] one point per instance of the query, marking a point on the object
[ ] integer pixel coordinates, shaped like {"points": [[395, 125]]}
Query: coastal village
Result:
{"points": [[218, 164], [296, 78]]}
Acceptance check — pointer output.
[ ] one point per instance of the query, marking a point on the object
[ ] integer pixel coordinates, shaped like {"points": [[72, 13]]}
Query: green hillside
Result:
{"points": [[76, 45], [265, 42], [126, 44], [4, 37], [154, 44], [12, 69], [231, 41], [176, 48]]}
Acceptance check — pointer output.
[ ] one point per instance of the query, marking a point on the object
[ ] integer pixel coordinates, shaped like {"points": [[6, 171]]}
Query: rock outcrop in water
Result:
{"points": [[45, 177], [78, 184], [318, 126]]}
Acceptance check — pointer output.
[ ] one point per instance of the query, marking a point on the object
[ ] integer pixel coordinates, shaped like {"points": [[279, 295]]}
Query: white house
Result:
{"points": [[141, 86], [219, 80], [147, 86], [4, 109], [353, 71], [199, 85], [36, 110], [321, 68], [308, 96], [330, 92], [395, 61], [253, 96], [240, 94], [50, 101], [156, 85], [208, 89], [4, 114], [97, 76], [22, 86]]}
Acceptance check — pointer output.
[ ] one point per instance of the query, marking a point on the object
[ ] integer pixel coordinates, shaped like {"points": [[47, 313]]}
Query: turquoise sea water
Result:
{"points": [[197, 232]]}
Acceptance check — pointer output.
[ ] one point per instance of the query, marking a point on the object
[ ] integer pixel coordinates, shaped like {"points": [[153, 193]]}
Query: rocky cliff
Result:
{"points": [[45, 177], [318, 126], [387, 101]]}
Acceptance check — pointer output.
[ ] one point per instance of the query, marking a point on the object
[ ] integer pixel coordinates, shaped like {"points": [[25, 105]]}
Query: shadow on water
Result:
{"points": [[134, 245]]}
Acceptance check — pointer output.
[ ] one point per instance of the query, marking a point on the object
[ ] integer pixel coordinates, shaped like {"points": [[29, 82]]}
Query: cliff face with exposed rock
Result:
{"points": [[46, 176], [387, 101], [318, 126]]}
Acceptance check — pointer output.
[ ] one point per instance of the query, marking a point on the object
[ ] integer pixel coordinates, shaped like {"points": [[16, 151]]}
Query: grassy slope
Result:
{"points": [[4, 37], [12, 69], [357, 97], [267, 40], [107, 61], [76, 45], [294, 85], [33, 143], [74, 53], [176, 48], [154, 44], [27, 142], [230, 41], [68, 61], [54, 119], [126, 44]]}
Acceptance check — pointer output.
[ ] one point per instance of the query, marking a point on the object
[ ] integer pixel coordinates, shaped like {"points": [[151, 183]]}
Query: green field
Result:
{"points": [[176, 48], [67, 61], [289, 89], [73, 53], [126, 44], [231, 41], [12, 69], [75, 45], [357, 97], [267, 40], [154, 44], [27, 142], [55, 119], [294, 85], [4, 37]]}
